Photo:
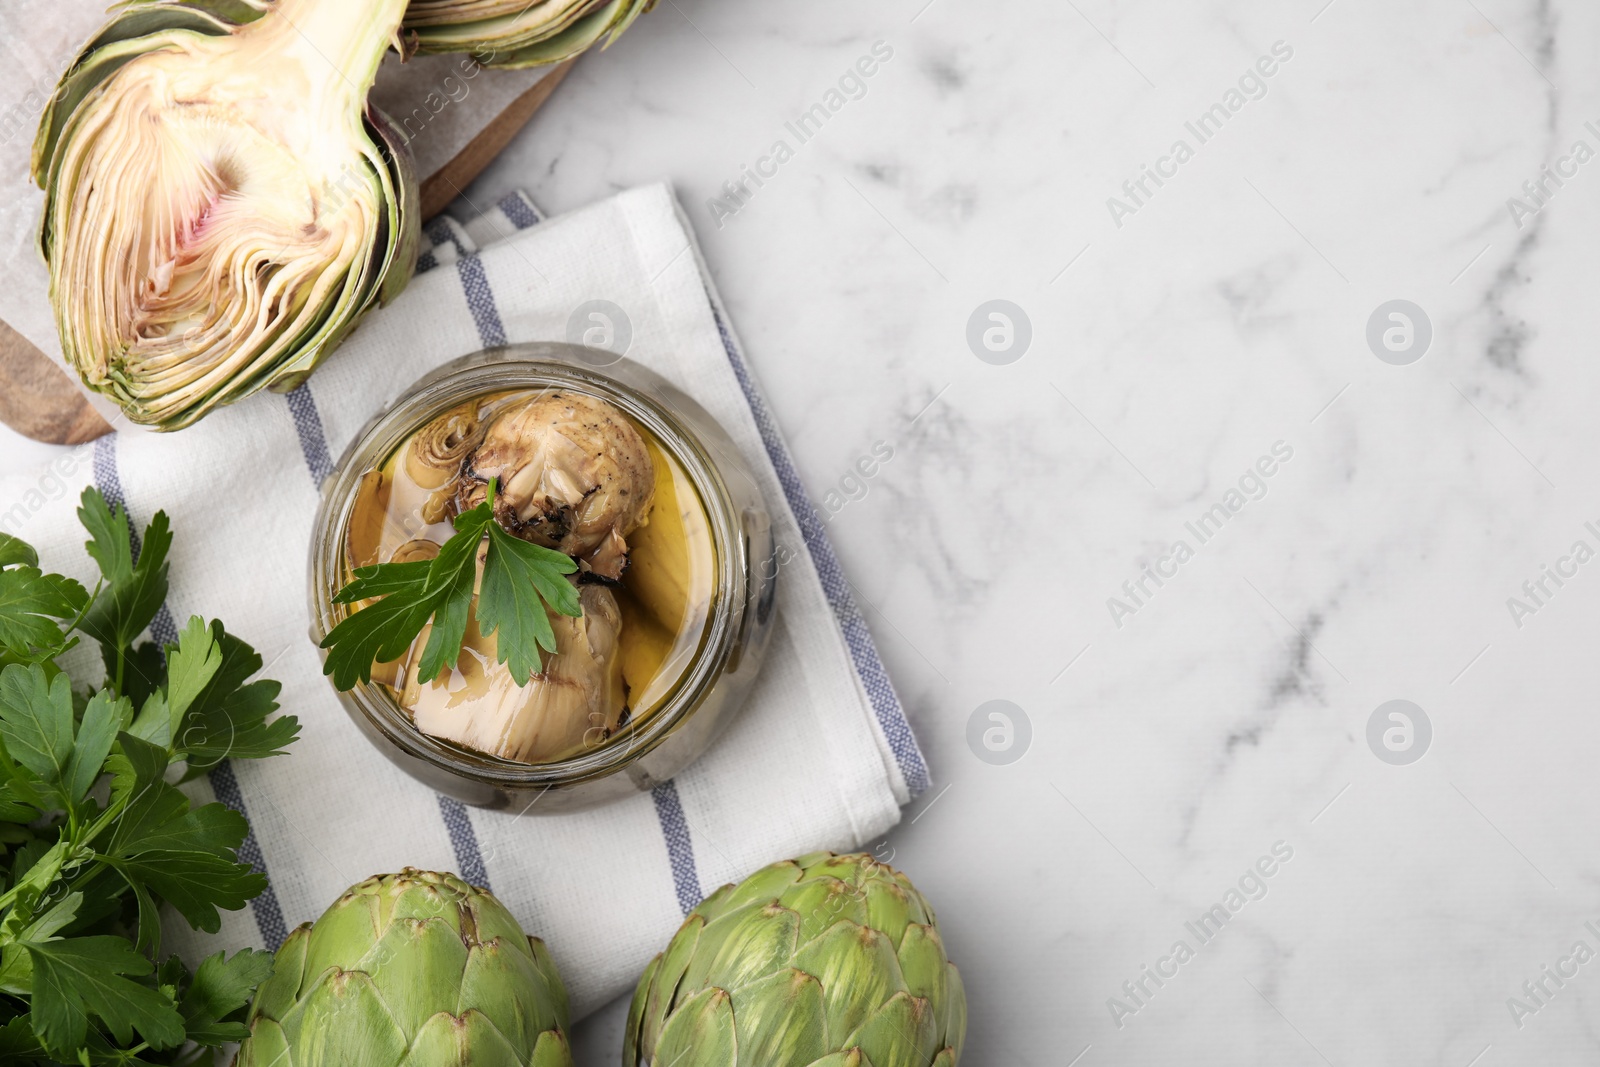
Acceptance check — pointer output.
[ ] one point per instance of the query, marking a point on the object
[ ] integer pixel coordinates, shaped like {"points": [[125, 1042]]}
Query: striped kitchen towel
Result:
{"points": [[823, 755]]}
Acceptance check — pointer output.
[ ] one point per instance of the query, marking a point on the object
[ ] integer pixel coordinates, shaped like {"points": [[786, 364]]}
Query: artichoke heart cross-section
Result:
{"points": [[222, 206]]}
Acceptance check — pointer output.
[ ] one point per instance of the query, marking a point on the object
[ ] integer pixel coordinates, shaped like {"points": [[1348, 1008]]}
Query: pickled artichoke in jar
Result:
{"points": [[572, 473]]}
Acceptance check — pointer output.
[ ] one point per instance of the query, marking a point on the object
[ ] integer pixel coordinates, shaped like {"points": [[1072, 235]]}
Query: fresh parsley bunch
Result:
{"points": [[519, 580], [94, 834]]}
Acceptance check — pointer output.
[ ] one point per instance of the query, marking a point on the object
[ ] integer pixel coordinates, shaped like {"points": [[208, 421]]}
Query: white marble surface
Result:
{"points": [[1230, 712]]}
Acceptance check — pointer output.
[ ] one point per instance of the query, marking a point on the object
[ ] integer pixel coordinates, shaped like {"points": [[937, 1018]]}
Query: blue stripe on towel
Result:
{"points": [[438, 232], [480, 301], [457, 822], [441, 231], [269, 916], [680, 846], [474, 282], [308, 427], [519, 210], [885, 702], [469, 857], [268, 913]]}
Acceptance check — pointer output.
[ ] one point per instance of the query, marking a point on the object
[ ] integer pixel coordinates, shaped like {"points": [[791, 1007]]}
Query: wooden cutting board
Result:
{"points": [[39, 400]]}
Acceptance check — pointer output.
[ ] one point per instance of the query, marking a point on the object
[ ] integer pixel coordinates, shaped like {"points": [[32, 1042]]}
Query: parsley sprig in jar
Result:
{"points": [[530, 576]]}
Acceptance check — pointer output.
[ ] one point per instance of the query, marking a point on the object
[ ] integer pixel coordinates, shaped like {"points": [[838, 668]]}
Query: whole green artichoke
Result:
{"points": [[414, 969], [830, 961]]}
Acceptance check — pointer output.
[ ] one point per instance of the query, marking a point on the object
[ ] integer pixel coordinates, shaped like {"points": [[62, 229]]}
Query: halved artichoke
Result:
{"points": [[519, 33], [222, 206]]}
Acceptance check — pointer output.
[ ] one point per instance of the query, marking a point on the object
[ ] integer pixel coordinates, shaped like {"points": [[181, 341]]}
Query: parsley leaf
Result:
{"points": [[87, 870], [14, 550], [517, 576], [144, 667], [521, 583], [386, 578], [197, 883], [213, 1006], [30, 604], [36, 720], [376, 633], [139, 794], [452, 577], [211, 828], [83, 974], [190, 667], [17, 1043], [103, 718], [134, 591], [110, 542], [229, 718]]}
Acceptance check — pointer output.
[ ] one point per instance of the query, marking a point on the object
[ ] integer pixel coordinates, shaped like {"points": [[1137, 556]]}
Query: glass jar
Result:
{"points": [[710, 689]]}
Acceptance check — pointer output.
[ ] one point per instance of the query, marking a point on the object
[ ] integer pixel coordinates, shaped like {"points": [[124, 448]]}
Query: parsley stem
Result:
{"points": [[87, 604]]}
